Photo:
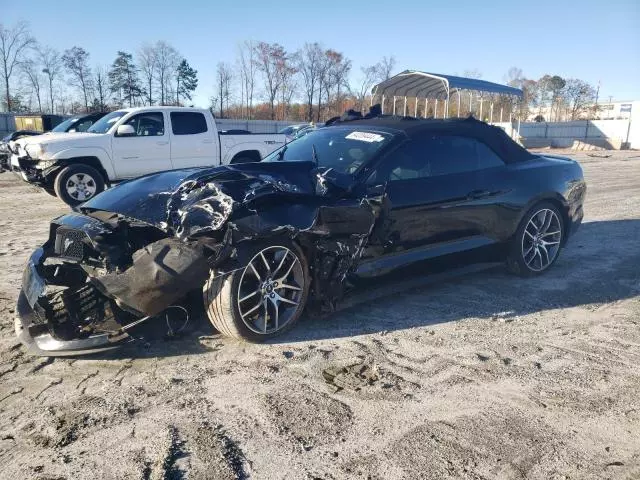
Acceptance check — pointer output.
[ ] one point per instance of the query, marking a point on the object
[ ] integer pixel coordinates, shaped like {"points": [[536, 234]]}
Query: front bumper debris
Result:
{"points": [[31, 325]]}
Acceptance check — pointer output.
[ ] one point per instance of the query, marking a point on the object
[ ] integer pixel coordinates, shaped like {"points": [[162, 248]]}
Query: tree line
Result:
{"points": [[39, 79], [266, 81]]}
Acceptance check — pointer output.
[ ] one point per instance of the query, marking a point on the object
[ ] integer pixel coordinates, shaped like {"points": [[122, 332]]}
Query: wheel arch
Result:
{"points": [[254, 155], [557, 201], [91, 161]]}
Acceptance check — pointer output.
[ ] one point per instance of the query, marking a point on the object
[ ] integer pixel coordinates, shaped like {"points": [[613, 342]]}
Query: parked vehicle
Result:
{"points": [[263, 241], [132, 142], [294, 131], [77, 123], [5, 152]]}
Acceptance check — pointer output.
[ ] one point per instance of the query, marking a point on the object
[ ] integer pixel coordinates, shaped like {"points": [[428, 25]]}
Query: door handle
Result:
{"points": [[477, 194], [162, 143]]}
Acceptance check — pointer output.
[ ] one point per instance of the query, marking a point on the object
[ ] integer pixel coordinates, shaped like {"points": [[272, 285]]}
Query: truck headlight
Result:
{"points": [[44, 164], [35, 150]]}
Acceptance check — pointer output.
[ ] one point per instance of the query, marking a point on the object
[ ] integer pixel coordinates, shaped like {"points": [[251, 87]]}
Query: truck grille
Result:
{"points": [[70, 244]]}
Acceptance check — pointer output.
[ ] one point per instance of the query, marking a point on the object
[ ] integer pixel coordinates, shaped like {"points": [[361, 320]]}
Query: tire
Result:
{"points": [[224, 295], [69, 180], [536, 245]]}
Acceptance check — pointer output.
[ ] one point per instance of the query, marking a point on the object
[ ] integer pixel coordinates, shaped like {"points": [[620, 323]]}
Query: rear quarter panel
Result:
{"points": [[522, 185]]}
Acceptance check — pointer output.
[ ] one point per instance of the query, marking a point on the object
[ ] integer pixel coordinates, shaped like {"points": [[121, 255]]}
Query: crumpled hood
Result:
{"points": [[196, 200]]}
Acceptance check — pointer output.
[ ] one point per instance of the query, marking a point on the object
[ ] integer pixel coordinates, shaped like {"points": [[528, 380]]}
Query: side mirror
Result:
{"points": [[125, 131]]}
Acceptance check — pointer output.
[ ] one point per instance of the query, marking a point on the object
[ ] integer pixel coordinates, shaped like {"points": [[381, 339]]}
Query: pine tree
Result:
{"points": [[123, 79], [187, 81]]}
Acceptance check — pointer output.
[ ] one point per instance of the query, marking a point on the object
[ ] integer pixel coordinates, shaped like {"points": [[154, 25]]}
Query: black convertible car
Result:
{"points": [[263, 241]]}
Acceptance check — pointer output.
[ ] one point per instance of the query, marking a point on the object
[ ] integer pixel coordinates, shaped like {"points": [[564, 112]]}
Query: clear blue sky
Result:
{"points": [[591, 40]]}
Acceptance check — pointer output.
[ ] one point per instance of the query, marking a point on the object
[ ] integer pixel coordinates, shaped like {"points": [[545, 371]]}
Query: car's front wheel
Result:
{"points": [[537, 242], [76, 184], [263, 299]]}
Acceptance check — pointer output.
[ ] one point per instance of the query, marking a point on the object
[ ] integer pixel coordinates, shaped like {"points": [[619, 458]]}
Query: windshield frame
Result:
{"points": [[392, 136], [105, 120]]}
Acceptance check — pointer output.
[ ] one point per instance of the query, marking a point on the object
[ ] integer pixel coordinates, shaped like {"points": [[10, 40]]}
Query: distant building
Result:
{"points": [[615, 110]]}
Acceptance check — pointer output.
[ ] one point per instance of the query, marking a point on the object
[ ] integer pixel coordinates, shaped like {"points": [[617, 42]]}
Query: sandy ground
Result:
{"points": [[481, 375]]}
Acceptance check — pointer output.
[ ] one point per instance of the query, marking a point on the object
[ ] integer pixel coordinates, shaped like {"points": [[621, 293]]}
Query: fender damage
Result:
{"points": [[143, 246]]}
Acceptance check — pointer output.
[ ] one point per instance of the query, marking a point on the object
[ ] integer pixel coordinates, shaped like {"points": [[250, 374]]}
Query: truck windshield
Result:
{"points": [[62, 127], [105, 123], [344, 149]]}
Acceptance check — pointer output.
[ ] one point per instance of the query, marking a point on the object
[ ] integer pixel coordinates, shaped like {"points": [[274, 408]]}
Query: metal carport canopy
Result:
{"points": [[413, 83]]}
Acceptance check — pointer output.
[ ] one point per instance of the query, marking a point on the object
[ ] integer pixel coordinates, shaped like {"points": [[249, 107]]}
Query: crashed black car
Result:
{"points": [[263, 241]]}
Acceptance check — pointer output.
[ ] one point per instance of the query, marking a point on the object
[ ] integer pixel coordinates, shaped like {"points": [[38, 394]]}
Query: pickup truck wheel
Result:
{"points": [[263, 299], [76, 184]]}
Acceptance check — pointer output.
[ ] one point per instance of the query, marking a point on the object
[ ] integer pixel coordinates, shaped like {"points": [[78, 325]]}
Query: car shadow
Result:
{"points": [[600, 264]]}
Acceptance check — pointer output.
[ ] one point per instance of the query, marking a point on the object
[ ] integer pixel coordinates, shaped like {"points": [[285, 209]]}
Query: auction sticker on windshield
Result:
{"points": [[365, 137]]}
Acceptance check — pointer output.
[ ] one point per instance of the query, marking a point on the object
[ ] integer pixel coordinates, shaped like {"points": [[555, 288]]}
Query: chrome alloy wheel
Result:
{"points": [[541, 239], [81, 186], [270, 290]]}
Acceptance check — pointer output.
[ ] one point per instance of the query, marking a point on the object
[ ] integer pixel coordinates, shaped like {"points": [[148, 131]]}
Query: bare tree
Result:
{"points": [[336, 78], [14, 43], [286, 73], [51, 66], [368, 77], [248, 69], [223, 85], [148, 64], [76, 61], [309, 60], [472, 73], [385, 68], [101, 82], [31, 71], [167, 60], [268, 57], [579, 95]]}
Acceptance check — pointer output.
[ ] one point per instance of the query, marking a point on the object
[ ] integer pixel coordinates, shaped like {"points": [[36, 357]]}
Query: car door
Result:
{"points": [[193, 144], [430, 184], [145, 151]]}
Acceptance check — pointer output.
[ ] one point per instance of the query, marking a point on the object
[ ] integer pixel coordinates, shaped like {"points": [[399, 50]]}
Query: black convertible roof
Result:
{"points": [[494, 137]]}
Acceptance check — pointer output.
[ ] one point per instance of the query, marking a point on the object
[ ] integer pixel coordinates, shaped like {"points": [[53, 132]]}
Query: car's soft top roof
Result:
{"points": [[494, 137]]}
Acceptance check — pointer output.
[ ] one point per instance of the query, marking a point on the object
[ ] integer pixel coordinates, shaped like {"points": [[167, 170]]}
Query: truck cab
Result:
{"points": [[131, 142]]}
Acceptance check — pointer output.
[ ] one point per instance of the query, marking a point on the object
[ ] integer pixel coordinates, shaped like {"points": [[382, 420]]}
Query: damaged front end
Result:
{"points": [[139, 249], [63, 308]]}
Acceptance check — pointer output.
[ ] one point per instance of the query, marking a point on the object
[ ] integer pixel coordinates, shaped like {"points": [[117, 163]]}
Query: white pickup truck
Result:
{"points": [[132, 142]]}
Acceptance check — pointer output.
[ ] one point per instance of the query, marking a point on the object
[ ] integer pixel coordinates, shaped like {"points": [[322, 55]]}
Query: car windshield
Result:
{"points": [[62, 127], [344, 149], [105, 123]]}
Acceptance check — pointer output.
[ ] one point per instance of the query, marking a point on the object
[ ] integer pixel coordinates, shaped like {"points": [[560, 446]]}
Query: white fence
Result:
{"points": [[563, 134], [254, 126]]}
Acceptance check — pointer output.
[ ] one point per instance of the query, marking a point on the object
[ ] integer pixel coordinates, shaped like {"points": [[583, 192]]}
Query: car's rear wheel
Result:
{"points": [[537, 242], [263, 299], [76, 184]]}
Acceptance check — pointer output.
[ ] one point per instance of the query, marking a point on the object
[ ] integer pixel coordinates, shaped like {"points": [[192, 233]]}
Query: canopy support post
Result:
{"points": [[459, 114], [426, 107], [394, 104], [470, 103], [382, 111], [501, 109], [404, 111], [491, 113], [435, 109], [415, 113], [480, 116], [371, 102]]}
